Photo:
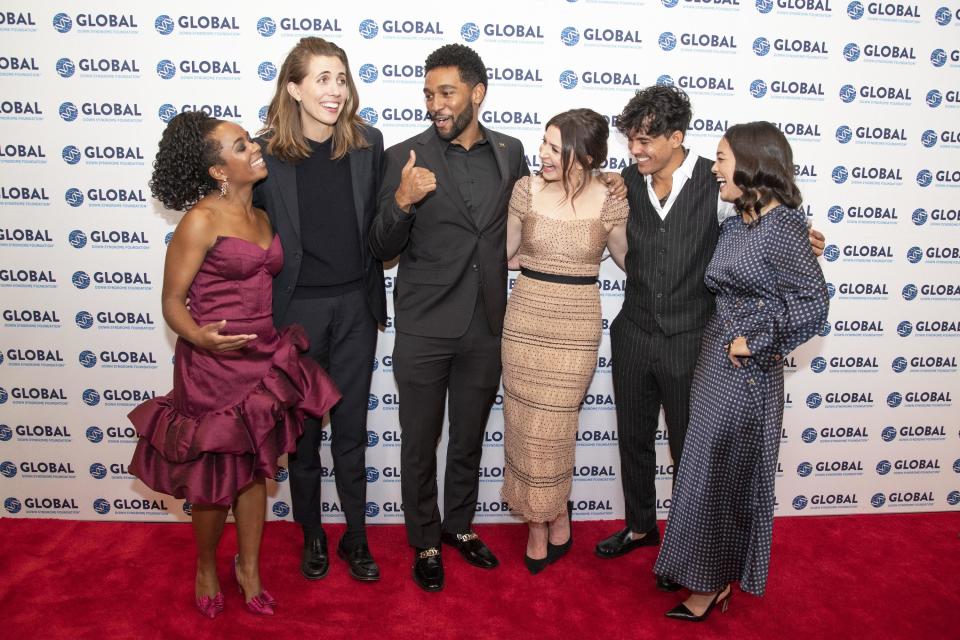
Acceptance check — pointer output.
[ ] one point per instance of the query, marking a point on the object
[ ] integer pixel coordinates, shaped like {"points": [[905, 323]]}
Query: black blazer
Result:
{"points": [[277, 194], [446, 257]]}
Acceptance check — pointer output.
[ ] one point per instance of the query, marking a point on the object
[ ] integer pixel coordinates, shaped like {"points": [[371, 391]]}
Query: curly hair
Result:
{"points": [[186, 151], [764, 167], [655, 111], [466, 60], [583, 135]]}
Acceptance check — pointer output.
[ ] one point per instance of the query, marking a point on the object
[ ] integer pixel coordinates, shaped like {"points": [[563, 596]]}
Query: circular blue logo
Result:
{"points": [[166, 69], [956, 463], [91, 397], [938, 57], [758, 88], [94, 434], [909, 291], [899, 364], [818, 364], [376, 364], [824, 330], [101, 506], [894, 399], [800, 503], [281, 475], [929, 138], [88, 359], [889, 434], [804, 469], [70, 154], [187, 508], [665, 81], [369, 115], [372, 402], [469, 32], [3, 395], [62, 23], [5, 433], [163, 24], [831, 252], [267, 71], [761, 46], [372, 439], [878, 500], [281, 509], [167, 238], [569, 36], [98, 471], [266, 27], [831, 290], [670, 4], [764, 6], [12, 505], [855, 10], [262, 114], [667, 41], [814, 400], [839, 174], [74, 197], [919, 217], [844, 134], [167, 112], [371, 509], [924, 177], [68, 111], [80, 279], [77, 239], [914, 254], [568, 79], [368, 73], [8, 469], [835, 214], [848, 93], [943, 16], [934, 98], [851, 52], [369, 29], [953, 498], [65, 67], [84, 319], [371, 474], [904, 329], [884, 467]]}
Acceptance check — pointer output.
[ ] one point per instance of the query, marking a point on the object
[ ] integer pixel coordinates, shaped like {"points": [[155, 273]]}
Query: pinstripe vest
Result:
{"points": [[666, 259]]}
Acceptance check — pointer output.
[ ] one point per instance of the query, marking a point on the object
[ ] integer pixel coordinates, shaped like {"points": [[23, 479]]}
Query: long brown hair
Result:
{"points": [[286, 140], [764, 170], [583, 136]]}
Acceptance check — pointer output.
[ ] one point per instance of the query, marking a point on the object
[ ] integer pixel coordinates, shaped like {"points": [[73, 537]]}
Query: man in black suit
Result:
{"points": [[443, 211]]}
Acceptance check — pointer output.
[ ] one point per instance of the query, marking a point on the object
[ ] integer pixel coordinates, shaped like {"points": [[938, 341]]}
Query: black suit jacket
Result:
{"points": [[446, 257], [277, 194]]}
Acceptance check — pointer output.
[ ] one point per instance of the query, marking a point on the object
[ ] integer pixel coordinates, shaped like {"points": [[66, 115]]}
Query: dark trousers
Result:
{"points": [[343, 340], [425, 369], [650, 370]]}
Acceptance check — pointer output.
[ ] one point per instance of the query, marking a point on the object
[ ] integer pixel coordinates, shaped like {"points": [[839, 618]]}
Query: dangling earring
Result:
{"points": [[223, 188]]}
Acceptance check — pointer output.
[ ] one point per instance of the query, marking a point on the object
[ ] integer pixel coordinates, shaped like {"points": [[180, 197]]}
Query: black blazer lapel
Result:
{"points": [[285, 176], [359, 177], [433, 149], [501, 152]]}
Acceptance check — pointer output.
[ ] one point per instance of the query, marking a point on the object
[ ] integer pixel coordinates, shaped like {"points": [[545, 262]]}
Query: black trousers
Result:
{"points": [[343, 340], [649, 370], [426, 369]]}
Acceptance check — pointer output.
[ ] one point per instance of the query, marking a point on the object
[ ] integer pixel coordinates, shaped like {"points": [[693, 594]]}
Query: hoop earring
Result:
{"points": [[223, 188]]}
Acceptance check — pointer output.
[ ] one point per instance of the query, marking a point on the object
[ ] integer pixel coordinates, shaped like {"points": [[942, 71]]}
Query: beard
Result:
{"points": [[460, 123]]}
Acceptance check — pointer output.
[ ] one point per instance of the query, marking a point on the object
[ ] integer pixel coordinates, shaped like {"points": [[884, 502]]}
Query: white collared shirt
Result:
{"points": [[680, 176]]}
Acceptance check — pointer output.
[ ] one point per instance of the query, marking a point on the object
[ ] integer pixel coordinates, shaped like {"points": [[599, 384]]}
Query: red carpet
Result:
{"points": [[889, 576]]}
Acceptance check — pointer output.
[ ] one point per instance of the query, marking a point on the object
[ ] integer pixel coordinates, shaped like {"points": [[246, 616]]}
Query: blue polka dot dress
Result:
{"points": [[770, 289]]}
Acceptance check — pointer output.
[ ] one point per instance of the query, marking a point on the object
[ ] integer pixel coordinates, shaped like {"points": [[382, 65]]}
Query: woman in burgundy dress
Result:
{"points": [[241, 389]]}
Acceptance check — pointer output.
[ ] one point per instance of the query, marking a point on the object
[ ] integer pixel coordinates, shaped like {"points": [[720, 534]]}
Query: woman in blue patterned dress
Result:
{"points": [[770, 299]]}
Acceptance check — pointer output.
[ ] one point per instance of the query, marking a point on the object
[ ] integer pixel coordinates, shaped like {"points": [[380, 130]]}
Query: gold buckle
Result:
{"points": [[428, 553]]}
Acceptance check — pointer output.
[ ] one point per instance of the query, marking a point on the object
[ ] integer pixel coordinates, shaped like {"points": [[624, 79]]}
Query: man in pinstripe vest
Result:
{"points": [[675, 211]]}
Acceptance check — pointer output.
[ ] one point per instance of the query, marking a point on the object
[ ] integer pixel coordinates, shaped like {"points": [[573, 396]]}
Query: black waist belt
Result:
{"points": [[550, 277]]}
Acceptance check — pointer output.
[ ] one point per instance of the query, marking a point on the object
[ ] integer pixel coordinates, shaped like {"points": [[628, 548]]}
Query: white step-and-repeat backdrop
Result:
{"points": [[867, 92]]}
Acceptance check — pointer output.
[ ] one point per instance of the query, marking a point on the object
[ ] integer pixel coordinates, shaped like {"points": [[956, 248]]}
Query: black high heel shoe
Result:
{"points": [[557, 551], [680, 612], [535, 566]]}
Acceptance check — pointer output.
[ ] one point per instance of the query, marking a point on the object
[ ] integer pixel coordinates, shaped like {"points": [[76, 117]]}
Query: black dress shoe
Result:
{"points": [[362, 565], [621, 543], [472, 549], [428, 569], [666, 584], [681, 612], [315, 562]]}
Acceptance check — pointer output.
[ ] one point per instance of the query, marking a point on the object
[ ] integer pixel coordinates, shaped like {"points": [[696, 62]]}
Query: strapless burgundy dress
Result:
{"points": [[231, 414]]}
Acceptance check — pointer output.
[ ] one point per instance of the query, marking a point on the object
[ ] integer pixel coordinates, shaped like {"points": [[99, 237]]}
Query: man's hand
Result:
{"points": [[817, 241], [415, 184], [738, 349], [615, 185]]}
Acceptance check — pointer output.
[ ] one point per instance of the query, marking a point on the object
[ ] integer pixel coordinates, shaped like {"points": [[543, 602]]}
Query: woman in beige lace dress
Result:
{"points": [[560, 222]]}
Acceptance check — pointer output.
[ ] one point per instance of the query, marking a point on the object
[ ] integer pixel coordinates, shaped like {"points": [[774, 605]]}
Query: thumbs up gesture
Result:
{"points": [[415, 183]]}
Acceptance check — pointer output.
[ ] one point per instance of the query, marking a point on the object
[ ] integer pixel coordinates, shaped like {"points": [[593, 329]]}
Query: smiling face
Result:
{"points": [[551, 155], [655, 153], [723, 169], [322, 95], [451, 102], [241, 161]]}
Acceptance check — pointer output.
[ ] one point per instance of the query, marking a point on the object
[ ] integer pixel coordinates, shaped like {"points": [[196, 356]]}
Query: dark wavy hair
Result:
{"points": [[655, 111], [583, 135], [466, 60], [764, 169], [186, 151]]}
